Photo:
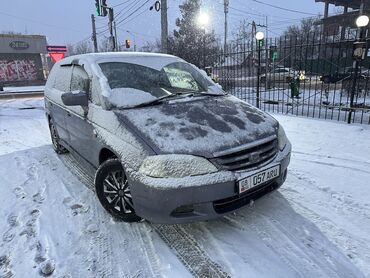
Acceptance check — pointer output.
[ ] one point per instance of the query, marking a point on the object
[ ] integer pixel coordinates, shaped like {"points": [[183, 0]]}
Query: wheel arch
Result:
{"points": [[105, 154]]}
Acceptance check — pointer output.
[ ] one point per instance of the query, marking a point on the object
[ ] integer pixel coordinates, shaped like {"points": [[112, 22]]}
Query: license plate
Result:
{"points": [[259, 178]]}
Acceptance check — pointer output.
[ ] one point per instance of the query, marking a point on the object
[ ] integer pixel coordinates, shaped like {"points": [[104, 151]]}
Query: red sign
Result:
{"points": [[53, 48], [56, 52], [56, 56]]}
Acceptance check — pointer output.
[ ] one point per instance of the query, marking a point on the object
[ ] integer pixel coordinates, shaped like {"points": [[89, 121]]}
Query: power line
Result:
{"points": [[280, 8], [126, 10], [125, 2], [136, 33], [127, 17], [39, 22]]}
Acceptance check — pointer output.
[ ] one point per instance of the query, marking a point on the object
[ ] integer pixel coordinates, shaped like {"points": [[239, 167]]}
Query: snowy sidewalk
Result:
{"points": [[316, 225]]}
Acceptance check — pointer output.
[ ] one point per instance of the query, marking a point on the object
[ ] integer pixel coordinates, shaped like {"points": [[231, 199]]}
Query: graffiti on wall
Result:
{"points": [[18, 70]]}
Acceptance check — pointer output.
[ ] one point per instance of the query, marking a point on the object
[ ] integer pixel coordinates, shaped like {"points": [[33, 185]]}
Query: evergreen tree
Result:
{"points": [[189, 41]]}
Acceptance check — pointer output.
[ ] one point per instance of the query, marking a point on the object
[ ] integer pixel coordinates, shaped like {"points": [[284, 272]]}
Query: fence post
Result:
{"points": [[258, 75], [353, 90]]}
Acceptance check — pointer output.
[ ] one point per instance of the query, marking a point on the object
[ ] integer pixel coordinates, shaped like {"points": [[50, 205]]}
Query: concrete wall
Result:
{"points": [[20, 67], [20, 59], [15, 44]]}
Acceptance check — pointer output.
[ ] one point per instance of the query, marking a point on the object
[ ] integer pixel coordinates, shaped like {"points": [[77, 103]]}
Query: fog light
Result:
{"points": [[183, 210]]}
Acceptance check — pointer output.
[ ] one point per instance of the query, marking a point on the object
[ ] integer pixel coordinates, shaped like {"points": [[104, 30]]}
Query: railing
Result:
{"points": [[310, 75]]}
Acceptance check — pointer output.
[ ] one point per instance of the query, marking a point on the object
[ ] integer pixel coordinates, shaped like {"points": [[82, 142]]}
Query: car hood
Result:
{"points": [[198, 125]]}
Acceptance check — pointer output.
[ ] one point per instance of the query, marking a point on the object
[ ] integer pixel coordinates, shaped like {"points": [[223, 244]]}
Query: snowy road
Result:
{"points": [[316, 225]]}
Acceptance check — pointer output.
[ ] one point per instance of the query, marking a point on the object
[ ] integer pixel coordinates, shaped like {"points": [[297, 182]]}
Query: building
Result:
{"points": [[22, 60], [342, 24]]}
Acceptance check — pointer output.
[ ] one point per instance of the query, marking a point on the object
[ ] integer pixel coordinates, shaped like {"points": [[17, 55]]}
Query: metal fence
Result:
{"points": [[310, 75]]}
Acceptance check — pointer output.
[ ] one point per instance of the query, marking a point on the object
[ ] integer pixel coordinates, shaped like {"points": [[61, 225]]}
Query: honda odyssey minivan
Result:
{"points": [[165, 142]]}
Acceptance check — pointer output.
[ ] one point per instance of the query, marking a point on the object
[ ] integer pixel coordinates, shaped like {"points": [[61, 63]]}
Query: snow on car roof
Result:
{"points": [[153, 60]]}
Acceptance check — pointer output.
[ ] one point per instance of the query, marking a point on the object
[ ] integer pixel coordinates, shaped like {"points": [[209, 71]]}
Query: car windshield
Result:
{"points": [[132, 84]]}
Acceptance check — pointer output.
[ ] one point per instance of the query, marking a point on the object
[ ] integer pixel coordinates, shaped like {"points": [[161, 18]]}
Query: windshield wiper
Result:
{"points": [[200, 93], [155, 101]]}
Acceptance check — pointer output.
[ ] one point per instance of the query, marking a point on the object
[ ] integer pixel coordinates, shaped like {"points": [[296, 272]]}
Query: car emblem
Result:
{"points": [[254, 157]]}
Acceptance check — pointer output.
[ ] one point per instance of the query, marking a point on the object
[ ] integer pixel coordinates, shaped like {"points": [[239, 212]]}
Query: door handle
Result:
{"points": [[68, 114]]}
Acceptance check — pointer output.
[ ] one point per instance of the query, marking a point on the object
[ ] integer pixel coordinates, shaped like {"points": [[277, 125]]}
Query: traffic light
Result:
{"points": [[128, 43], [273, 53], [101, 7]]}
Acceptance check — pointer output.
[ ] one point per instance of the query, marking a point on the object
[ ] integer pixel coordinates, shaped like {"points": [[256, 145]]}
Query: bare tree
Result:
{"points": [[151, 46], [79, 48], [243, 33], [307, 26]]}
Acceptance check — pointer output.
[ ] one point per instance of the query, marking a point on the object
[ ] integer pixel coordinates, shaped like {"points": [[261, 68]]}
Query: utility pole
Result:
{"points": [[111, 38], [254, 31], [116, 37], [226, 10], [164, 27], [93, 38]]}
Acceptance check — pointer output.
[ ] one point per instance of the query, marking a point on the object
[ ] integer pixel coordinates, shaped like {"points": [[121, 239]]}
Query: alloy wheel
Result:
{"points": [[117, 193]]}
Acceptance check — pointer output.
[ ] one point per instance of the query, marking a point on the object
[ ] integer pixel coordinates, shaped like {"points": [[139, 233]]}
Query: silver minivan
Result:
{"points": [[164, 141]]}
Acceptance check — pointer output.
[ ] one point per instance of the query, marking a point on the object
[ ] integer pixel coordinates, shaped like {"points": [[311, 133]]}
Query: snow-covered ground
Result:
{"points": [[319, 102], [316, 225], [23, 89]]}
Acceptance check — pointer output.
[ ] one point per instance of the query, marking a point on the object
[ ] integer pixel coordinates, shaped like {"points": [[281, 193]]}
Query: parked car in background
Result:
{"points": [[164, 141], [282, 74], [344, 73]]}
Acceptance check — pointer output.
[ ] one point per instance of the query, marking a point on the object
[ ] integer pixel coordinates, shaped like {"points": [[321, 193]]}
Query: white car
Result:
{"points": [[280, 74]]}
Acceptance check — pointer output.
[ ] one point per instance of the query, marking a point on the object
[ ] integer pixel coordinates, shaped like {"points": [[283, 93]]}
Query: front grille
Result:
{"points": [[238, 201], [247, 156]]}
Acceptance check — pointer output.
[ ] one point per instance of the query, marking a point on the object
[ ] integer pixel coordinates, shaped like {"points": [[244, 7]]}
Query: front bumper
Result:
{"points": [[209, 196]]}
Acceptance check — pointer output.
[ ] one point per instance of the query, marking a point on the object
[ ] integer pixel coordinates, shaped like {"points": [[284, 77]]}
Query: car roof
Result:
{"points": [[117, 55], [154, 60]]}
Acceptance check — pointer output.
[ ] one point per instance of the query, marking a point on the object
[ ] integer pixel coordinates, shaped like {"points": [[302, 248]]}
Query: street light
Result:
{"points": [[359, 49], [362, 21], [259, 37]]}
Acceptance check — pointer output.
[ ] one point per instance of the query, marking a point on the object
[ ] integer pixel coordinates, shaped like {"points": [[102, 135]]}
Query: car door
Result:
{"points": [[81, 131], [60, 84]]}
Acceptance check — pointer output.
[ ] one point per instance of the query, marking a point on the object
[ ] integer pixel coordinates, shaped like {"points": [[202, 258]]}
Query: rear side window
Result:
{"points": [[63, 78], [80, 80]]}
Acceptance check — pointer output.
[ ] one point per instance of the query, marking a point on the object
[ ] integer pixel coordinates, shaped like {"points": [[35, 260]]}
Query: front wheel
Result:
{"points": [[114, 192]]}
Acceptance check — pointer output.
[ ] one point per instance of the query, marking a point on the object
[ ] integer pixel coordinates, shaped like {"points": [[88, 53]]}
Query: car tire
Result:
{"points": [[55, 140], [114, 192]]}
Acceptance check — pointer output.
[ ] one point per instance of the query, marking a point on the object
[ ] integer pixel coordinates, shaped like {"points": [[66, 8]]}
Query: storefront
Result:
{"points": [[22, 60]]}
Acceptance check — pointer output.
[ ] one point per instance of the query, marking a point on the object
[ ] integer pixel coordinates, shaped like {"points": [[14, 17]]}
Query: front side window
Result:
{"points": [[133, 84], [63, 78], [80, 80]]}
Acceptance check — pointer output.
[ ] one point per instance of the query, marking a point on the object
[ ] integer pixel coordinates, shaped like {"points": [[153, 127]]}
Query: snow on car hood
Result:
{"points": [[200, 126]]}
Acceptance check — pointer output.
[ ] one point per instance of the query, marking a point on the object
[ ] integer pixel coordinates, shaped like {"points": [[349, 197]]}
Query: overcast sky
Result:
{"points": [[68, 21]]}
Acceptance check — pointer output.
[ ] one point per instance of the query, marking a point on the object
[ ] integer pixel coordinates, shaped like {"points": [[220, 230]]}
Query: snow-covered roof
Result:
{"points": [[153, 60]]}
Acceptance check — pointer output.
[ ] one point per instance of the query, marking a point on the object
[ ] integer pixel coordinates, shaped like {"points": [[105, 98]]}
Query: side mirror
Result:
{"points": [[75, 98]]}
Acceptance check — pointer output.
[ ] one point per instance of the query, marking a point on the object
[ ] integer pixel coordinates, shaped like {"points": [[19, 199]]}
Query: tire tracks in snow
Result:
{"points": [[345, 203], [183, 245], [103, 241], [189, 252], [294, 240], [354, 246]]}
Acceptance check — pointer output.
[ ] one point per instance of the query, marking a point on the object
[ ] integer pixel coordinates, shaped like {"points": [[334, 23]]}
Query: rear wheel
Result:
{"points": [[114, 191], [58, 148]]}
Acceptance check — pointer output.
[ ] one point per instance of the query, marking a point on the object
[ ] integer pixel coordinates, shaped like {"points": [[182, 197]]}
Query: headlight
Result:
{"points": [[282, 138], [176, 166]]}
